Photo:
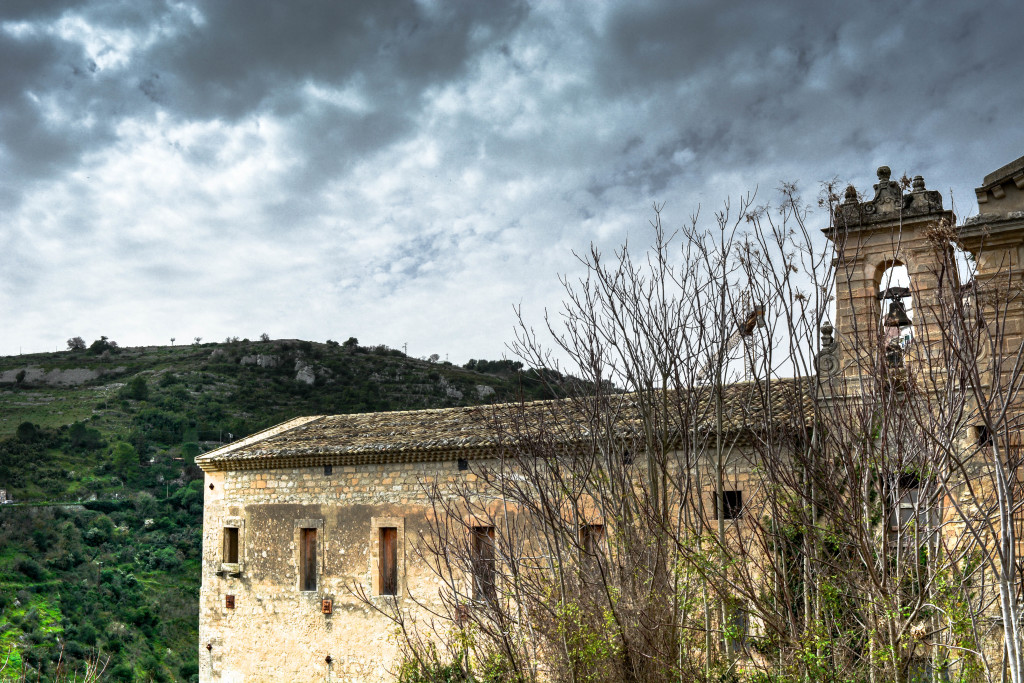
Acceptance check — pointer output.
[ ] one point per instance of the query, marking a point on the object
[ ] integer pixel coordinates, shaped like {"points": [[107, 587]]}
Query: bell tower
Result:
{"points": [[894, 228]]}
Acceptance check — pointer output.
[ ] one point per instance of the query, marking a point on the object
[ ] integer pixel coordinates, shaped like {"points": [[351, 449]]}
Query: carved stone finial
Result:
{"points": [[826, 335], [889, 202], [826, 362]]}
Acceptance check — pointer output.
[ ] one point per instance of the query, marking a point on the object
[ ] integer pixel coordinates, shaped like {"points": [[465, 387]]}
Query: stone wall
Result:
{"points": [[276, 632]]}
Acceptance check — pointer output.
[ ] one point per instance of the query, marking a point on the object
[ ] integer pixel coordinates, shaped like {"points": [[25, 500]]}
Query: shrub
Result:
{"points": [[102, 345], [136, 389], [30, 568]]}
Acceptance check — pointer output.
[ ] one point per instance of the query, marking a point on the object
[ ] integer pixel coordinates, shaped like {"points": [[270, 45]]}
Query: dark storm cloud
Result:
{"points": [[242, 55], [216, 160], [224, 60]]}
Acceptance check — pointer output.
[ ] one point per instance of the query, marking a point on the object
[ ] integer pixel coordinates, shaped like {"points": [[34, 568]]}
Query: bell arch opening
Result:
{"points": [[895, 311]]}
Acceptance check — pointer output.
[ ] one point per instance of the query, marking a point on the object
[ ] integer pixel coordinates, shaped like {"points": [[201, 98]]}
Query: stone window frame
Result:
{"points": [[299, 525], [233, 522], [376, 524]]}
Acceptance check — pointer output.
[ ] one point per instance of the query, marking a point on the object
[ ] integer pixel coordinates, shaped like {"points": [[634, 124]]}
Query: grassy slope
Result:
{"points": [[117, 573]]}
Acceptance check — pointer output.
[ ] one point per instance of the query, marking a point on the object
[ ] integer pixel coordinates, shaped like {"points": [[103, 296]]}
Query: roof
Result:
{"points": [[481, 431], [1003, 173]]}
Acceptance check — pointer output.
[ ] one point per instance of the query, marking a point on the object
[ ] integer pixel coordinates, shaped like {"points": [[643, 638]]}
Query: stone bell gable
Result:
{"points": [[893, 228]]}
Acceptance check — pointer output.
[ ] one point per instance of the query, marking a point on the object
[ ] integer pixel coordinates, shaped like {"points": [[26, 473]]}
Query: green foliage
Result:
{"points": [[494, 367], [136, 389], [27, 432], [86, 570], [126, 459], [86, 438], [103, 344]]}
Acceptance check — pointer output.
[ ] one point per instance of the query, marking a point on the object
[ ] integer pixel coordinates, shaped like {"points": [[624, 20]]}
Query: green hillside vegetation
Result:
{"points": [[99, 555]]}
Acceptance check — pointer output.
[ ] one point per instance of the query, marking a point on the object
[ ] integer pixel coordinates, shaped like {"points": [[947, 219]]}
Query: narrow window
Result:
{"points": [[912, 516], [388, 560], [230, 545], [591, 536], [982, 436], [731, 505], [328, 470], [463, 464], [734, 635], [483, 563], [307, 560]]}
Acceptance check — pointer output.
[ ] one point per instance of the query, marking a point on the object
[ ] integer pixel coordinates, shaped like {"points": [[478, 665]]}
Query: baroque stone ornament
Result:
{"points": [[889, 202], [826, 362]]}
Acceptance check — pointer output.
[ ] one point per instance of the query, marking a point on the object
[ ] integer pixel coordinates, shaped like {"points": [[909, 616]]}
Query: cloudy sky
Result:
{"points": [[406, 171]]}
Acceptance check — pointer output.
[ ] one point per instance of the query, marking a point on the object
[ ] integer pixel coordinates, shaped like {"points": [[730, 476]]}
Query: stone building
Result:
{"points": [[302, 519]]}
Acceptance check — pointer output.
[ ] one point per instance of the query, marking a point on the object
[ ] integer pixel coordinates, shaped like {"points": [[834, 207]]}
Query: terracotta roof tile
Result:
{"points": [[449, 433]]}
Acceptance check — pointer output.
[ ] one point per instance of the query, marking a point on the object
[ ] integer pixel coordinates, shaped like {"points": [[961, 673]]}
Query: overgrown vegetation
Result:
{"points": [[99, 555]]}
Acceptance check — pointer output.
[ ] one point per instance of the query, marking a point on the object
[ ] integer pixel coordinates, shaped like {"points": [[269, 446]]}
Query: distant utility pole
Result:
{"points": [[405, 348]]}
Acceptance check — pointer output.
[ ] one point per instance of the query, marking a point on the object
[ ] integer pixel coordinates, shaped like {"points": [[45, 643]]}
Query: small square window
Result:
{"points": [[731, 505], [982, 436], [463, 464], [328, 470]]}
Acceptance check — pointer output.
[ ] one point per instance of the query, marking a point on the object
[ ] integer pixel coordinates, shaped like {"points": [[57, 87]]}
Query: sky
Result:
{"points": [[408, 172]]}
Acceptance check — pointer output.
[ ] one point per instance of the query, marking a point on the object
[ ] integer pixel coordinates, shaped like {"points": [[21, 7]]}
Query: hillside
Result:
{"points": [[99, 554]]}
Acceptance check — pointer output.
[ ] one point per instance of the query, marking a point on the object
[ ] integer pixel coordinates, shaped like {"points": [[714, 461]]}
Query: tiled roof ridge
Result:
{"points": [[429, 434]]}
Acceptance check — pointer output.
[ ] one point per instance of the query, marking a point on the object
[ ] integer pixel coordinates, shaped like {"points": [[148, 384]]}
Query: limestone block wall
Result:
{"points": [[277, 632]]}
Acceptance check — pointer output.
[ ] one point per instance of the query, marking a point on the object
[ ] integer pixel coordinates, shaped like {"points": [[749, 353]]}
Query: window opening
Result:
{"points": [[591, 536], [328, 470], [731, 505], [307, 560], [983, 436], [388, 560], [483, 563], [230, 545], [463, 464], [910, 511], [896, 313]]}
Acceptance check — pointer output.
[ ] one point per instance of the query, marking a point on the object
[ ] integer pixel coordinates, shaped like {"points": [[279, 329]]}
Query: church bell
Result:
{"points": [[897, 315]]}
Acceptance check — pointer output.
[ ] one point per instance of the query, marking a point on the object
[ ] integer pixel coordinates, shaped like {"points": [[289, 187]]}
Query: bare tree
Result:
{"points": [[730, 489]]}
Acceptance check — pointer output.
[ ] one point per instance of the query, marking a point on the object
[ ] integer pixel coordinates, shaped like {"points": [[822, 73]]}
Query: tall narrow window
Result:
{"points": [[591, 536], [912, 516], [388, 560], [730, 506], [230, 545], [483, 563], [307, 560]]}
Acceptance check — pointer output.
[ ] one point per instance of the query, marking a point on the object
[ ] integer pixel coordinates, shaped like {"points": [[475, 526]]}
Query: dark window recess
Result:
{"points": [[328, 470], [984, 437], [628, 457], [388, 561], [230, 544], [463, 464], [307, 560], [591, 536], [731, 506], [229, 601], [483, 563]]}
